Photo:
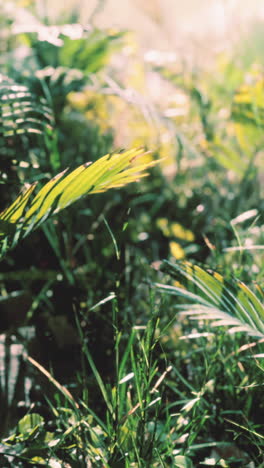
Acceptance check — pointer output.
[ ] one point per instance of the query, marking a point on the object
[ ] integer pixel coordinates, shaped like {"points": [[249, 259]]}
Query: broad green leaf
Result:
{"points": [[90, 52], [29, 424]]}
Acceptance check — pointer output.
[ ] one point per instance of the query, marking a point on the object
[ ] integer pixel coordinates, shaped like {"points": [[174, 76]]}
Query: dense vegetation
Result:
{"points": [[132, 320]]}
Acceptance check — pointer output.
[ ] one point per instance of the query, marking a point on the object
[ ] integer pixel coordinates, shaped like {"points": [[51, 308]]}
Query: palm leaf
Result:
{"points": [[210, 296], [21, 111], [110, 171]]}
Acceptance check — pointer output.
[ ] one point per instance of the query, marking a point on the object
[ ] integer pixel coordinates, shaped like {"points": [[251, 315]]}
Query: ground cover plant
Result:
{"points": [[131, 320]]}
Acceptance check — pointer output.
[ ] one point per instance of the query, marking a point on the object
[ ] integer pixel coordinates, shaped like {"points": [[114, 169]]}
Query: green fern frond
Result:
{"points": [[211, 297], [110, 171], [22, 112]]}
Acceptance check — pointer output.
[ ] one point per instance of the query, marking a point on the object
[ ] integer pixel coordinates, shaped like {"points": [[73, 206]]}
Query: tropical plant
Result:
{"points": [[90, 377], [26, 134], [22, 113], [210, 296], [111, 171]]}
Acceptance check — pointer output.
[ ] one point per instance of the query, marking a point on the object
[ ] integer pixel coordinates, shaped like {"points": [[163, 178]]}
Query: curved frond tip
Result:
{"points": [[210, 296], [110, 171]]}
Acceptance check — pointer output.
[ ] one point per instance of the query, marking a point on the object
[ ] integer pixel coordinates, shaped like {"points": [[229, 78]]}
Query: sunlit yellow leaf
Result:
{"points": [[110, 171], [177, 251], [14, 212], [163, 225], [179, 231]]}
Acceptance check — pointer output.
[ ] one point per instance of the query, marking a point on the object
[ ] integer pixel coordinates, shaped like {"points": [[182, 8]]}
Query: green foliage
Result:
{"points": [[106, 361], [22, 114], [111, 171], [227, 303]]}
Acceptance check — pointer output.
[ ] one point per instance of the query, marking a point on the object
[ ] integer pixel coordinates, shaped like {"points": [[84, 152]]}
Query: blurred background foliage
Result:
{"points": [[74, 86]]}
